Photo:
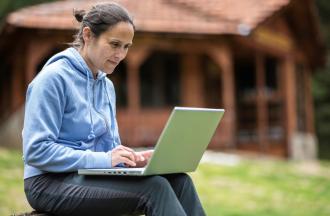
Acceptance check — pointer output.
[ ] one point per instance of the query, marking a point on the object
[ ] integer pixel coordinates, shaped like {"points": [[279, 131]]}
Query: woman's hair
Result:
{"points": [[99, 19]]}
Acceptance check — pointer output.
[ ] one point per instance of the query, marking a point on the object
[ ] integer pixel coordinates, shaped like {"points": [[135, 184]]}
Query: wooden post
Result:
{"points": [[17, 82], [288, 74], [223, 57], [134, 60], [192, 91]]}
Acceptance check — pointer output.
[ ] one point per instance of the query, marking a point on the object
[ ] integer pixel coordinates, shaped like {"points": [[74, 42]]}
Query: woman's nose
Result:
{"points": [[120, 54]]}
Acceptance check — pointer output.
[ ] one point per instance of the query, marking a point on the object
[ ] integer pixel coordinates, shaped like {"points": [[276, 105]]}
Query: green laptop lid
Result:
{"points": [[184, 139]]}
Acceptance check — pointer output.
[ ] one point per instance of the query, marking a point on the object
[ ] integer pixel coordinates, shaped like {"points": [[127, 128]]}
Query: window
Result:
{"points": [[245, 83], [272, 95], [275, 128], [50, 54], [119, 79], [271, 67], [160, 80], [259, 106], [212, 83]]}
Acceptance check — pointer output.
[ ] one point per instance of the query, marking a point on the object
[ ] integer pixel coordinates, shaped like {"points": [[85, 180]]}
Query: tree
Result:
{"points": [[7, 6], [321, 86]]}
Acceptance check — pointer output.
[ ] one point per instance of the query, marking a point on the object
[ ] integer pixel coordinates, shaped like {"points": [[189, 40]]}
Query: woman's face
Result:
{"points": [[109, 49]]}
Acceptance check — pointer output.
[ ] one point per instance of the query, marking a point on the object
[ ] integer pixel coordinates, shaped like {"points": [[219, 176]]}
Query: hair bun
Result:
{"points": [[79, 14]]}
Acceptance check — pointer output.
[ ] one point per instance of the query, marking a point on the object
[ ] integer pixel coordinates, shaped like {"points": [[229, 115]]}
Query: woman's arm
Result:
{"points": [[44, 109]]}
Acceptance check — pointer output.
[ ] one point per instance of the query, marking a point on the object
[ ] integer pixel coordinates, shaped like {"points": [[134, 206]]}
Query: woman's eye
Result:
{"points": [[115, 45]]}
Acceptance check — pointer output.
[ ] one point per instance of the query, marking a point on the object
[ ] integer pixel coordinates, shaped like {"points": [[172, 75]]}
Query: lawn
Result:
{"points": [[265, 188], [252, 187], [12, 198]]}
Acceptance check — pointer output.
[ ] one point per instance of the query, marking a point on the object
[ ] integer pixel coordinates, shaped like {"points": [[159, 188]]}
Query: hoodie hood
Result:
{"points": [[77, 61]]}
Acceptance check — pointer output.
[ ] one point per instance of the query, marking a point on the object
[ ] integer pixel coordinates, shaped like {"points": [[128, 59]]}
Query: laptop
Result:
{"points": [[180, 146]]}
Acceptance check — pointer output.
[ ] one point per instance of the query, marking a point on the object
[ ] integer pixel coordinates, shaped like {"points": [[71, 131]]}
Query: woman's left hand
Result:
{"points": [[144, 157]]}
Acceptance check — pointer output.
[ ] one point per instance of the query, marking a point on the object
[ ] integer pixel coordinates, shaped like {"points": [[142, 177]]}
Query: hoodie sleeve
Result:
{"points": [[45, 104]]}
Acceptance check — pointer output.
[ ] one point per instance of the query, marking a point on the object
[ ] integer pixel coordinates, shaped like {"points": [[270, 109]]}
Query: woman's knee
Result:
{"points": [[158, 183], [184, 177], [179, 179]]}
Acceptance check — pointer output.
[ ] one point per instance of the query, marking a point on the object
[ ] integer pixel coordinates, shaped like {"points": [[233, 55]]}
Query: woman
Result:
{"points": [[70, 123]]}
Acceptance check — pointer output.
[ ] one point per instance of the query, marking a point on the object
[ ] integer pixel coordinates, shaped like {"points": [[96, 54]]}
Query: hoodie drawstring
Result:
{"points": [[112, 116], [91, 133]]}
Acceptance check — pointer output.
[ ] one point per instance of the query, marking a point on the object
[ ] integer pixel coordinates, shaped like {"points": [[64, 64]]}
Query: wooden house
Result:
{"points": [[253, 58]]}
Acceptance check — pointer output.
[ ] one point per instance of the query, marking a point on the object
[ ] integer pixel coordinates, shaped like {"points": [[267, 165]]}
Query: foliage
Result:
{"points": [[7, 6], [321, 86], [323, 7], [250, 188]]}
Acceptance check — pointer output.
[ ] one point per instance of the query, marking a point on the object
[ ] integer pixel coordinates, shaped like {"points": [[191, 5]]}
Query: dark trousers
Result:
{"points": [[73, 194]]}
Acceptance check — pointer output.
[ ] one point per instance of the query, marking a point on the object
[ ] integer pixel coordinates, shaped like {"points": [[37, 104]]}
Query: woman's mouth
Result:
{"points": [[113, 62]]}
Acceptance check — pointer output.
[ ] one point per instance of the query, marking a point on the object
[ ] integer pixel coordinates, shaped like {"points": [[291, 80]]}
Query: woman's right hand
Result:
{"points": [[125, 155]]}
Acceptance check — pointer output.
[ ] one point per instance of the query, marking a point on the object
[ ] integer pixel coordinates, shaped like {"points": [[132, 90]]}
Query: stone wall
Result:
{"points": [[11, 130], [303, 147]]}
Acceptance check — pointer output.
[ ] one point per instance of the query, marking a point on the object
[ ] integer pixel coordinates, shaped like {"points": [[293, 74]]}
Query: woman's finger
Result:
{"points": [[127, 148], [140, 156], [136, 157], [127, 161], [147, 154], [127, 154]]}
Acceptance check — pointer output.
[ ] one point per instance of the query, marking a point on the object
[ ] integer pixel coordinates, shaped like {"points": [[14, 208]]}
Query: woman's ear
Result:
{"points": [[87, 35]]}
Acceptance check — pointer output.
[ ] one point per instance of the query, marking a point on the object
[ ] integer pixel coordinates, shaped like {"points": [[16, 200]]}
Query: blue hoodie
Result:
{"points": [[70, 118]]}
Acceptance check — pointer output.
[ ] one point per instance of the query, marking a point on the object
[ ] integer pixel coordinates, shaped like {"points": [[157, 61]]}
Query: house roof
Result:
{"points": [[173, 16], [187, 16]]}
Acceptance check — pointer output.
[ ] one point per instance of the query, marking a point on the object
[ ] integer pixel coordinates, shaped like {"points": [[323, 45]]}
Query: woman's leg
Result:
{"points": [[73, 194], [185, 190]]}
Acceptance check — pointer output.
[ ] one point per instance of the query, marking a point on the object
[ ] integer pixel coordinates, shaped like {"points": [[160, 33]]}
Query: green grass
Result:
{"points": [[12, 198], [257, 187], [271, 188]]}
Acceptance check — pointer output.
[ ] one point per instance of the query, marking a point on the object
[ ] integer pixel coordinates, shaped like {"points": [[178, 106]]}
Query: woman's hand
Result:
{"points": [[125, 155], [145, 156]]}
